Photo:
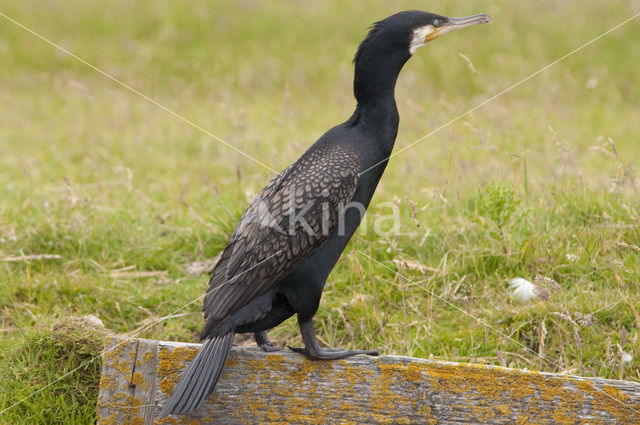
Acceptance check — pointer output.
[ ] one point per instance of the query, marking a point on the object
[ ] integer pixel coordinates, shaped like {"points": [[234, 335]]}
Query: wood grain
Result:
{"points": [[286, 388]]}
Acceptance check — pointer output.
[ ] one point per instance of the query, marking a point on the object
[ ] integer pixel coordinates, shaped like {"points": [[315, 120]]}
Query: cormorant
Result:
{"points": [[291, 236]]}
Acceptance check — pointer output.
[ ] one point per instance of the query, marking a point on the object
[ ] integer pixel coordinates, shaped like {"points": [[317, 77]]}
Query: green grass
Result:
{"points": [[44, 359], [529, 184]]}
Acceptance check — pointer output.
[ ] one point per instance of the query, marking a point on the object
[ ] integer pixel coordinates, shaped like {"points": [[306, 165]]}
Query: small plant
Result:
{"points": [[498, 208]]}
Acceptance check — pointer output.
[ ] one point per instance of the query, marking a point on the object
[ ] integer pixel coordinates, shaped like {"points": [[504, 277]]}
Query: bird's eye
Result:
{"points": [[435, 23]]}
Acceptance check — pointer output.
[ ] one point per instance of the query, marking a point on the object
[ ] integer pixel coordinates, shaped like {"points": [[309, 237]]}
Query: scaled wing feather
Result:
{"points": [[288, 221]]}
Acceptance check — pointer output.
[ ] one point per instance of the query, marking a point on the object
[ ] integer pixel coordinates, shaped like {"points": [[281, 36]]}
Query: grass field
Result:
{"points": [[541, 181]]}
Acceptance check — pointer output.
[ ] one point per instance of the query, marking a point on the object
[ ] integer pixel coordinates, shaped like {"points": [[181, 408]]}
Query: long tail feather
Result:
{"points": [[202, 375]]}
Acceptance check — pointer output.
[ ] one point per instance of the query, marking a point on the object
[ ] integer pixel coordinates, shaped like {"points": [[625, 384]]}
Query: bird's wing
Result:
{"points": [[288, 221]]}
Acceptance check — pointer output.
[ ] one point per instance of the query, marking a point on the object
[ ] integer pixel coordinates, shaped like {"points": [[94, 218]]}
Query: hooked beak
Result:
{"points": [[454, 24]]}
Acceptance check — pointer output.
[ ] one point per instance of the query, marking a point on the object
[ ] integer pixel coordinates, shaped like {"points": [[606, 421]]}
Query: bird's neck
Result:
{"points": [[380, 118], [374, 89]]}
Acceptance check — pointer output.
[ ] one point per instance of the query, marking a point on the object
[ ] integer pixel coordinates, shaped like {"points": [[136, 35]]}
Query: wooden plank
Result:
{"points": [[127, 385], [115, 400], [144, 379], [286, 388]]}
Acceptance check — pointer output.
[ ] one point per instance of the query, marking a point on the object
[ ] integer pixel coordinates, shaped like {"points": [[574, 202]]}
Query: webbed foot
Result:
{"points": [[313, 351], [330, 353], [263, 342]]}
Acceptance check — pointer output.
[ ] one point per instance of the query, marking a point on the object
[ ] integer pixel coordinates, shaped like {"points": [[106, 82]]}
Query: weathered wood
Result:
{"points": [[286, 388], [127, 385]]}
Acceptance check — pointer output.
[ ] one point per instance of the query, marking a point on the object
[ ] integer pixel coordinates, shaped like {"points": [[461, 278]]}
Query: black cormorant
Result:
{"points": [[291, 236]]}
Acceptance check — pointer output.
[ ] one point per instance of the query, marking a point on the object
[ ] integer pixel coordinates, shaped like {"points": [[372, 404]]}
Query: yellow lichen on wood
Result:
{"points": [[188, 421], [611, 400], [231, 361], [537, 388], [123, 366], [116, 347], [169, 420], [107, 383], [170, 363], [383, 398], [137, 379], [166, 385], [147, 357], [112, 419]]}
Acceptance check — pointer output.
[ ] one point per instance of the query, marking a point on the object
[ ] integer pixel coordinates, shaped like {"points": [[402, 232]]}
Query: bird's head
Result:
{"points": [[405, 32], [392, 41], [425, 27]]}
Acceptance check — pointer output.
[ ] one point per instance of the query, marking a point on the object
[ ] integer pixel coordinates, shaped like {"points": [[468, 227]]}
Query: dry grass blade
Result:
{"points": [[139, 274], [34, 257], [413, 265]]}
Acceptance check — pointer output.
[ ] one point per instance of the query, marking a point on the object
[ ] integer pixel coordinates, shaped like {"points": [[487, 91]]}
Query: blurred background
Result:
{"points": [[130, 205]]}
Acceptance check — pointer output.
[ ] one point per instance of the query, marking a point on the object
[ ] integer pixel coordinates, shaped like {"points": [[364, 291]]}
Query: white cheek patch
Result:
{"points": [[419, 34]]}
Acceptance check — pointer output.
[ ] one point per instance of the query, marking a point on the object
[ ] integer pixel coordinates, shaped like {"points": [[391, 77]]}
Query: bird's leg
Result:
{"points": [[313, 351], [263, 342]]}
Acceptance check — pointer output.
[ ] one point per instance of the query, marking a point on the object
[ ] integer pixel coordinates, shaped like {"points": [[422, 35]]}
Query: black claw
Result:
{"points": [[297, 349]]}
